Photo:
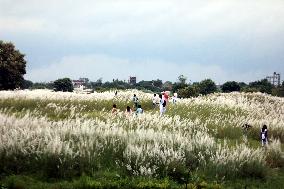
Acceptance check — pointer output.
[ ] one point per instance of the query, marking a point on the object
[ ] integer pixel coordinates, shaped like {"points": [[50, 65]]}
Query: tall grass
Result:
{"points": [[66, 135]]}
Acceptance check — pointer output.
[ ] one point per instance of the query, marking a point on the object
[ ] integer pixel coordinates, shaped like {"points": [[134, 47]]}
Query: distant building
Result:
{"points": [[80, 82], [132, 80], [274, 79]]}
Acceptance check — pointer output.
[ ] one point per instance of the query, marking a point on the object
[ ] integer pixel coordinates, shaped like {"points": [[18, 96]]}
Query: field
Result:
{"points": [[67, 140]]}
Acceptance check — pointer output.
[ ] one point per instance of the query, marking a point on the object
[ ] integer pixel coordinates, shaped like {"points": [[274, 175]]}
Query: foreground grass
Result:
{"points": [[275, 180]]}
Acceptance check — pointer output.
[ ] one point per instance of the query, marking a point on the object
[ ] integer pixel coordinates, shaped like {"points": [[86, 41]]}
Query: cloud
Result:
{"points": [[221, 39], [96, 66]]}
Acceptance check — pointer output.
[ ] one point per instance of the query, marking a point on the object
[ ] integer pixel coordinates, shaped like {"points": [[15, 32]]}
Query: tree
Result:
{"points": [[167, 86], [64, 85], [189, 91], [207, 86], [263, 86], [182, 79], [230, 86], [157, 83], [12, 66], [27, 84]]}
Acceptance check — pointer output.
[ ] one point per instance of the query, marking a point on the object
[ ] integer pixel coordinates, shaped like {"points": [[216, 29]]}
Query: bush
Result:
{"points": [[64, 85], [230, 86]]}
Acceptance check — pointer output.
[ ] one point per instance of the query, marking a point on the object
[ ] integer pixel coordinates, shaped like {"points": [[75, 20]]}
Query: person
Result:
{"points": [[128, 110], [114, 109], [135, 101], [139, 110], [264, 135], [115, 94], [162, 105], [155, 101], [175, 98], [166, 97]]}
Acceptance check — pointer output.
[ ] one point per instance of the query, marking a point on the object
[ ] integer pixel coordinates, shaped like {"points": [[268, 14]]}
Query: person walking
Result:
{"points": [[264, 135]]}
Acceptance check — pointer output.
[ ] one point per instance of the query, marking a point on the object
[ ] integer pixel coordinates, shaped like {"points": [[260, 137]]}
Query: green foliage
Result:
{"points": [[27, 84], [182, 79], [42, 86], [207, 86], [263, 86], [64, 85], [12, 66], [187, 92], [230, 86], [167, 86]]}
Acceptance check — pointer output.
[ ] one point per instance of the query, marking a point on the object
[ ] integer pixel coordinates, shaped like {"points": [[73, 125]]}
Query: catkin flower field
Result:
{"points": [[64, 135]]}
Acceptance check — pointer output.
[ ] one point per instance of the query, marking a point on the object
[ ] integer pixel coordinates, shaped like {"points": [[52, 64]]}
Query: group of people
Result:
{"points": [[263, 133], [160, 101]]}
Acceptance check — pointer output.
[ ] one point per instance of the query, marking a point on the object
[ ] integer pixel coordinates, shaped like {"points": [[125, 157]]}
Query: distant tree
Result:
{"points": [[263, 86], [182, 79], [64, 85], [207, 86], [187, 92], [42, 86], [178, 85], [230, 86], [167, 86], [12, 66], [157, 83], [27, 84]]}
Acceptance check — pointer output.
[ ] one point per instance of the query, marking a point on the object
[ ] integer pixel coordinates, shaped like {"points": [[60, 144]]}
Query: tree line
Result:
{"points": [[13, 68]]}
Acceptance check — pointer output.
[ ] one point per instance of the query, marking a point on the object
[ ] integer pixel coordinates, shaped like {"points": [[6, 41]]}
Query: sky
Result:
{"points": [[223, 40]]}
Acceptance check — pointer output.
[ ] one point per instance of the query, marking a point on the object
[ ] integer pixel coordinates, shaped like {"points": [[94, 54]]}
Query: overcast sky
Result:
{"points": [[223, 40]]}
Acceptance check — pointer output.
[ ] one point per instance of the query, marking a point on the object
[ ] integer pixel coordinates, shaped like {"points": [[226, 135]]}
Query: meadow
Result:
{"points": [[68, 140]]}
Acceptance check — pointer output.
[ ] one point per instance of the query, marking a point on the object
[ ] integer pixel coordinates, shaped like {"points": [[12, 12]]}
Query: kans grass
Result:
{"points": [[68, 140]]}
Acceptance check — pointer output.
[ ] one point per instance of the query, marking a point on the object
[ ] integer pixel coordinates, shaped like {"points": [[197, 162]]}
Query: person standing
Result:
{"points": [[162, 105], [264, 135], [154, 101], [175, 98], [135, 101], [166, 96]]}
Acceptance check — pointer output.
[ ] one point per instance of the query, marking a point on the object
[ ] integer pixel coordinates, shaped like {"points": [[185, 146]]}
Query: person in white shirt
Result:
{"points": [[162, 105]]}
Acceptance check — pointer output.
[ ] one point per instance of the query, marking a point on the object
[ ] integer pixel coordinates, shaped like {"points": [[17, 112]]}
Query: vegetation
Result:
{"points": [[12, 66], [64, 85], [231, 86], [65, 140]]}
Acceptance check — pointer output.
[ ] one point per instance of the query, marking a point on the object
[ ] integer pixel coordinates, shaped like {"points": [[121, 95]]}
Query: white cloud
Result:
{"points": [[95, 66]]}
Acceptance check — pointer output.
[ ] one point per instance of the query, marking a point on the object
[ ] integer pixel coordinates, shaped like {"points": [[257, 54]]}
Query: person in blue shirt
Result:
{"points": [[139, 110]]}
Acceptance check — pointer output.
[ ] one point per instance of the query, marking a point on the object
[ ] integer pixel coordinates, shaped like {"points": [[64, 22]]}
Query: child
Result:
{"points": [[139, 110], [175, 98], [128, 110], [114, 110], [263, 135]]}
